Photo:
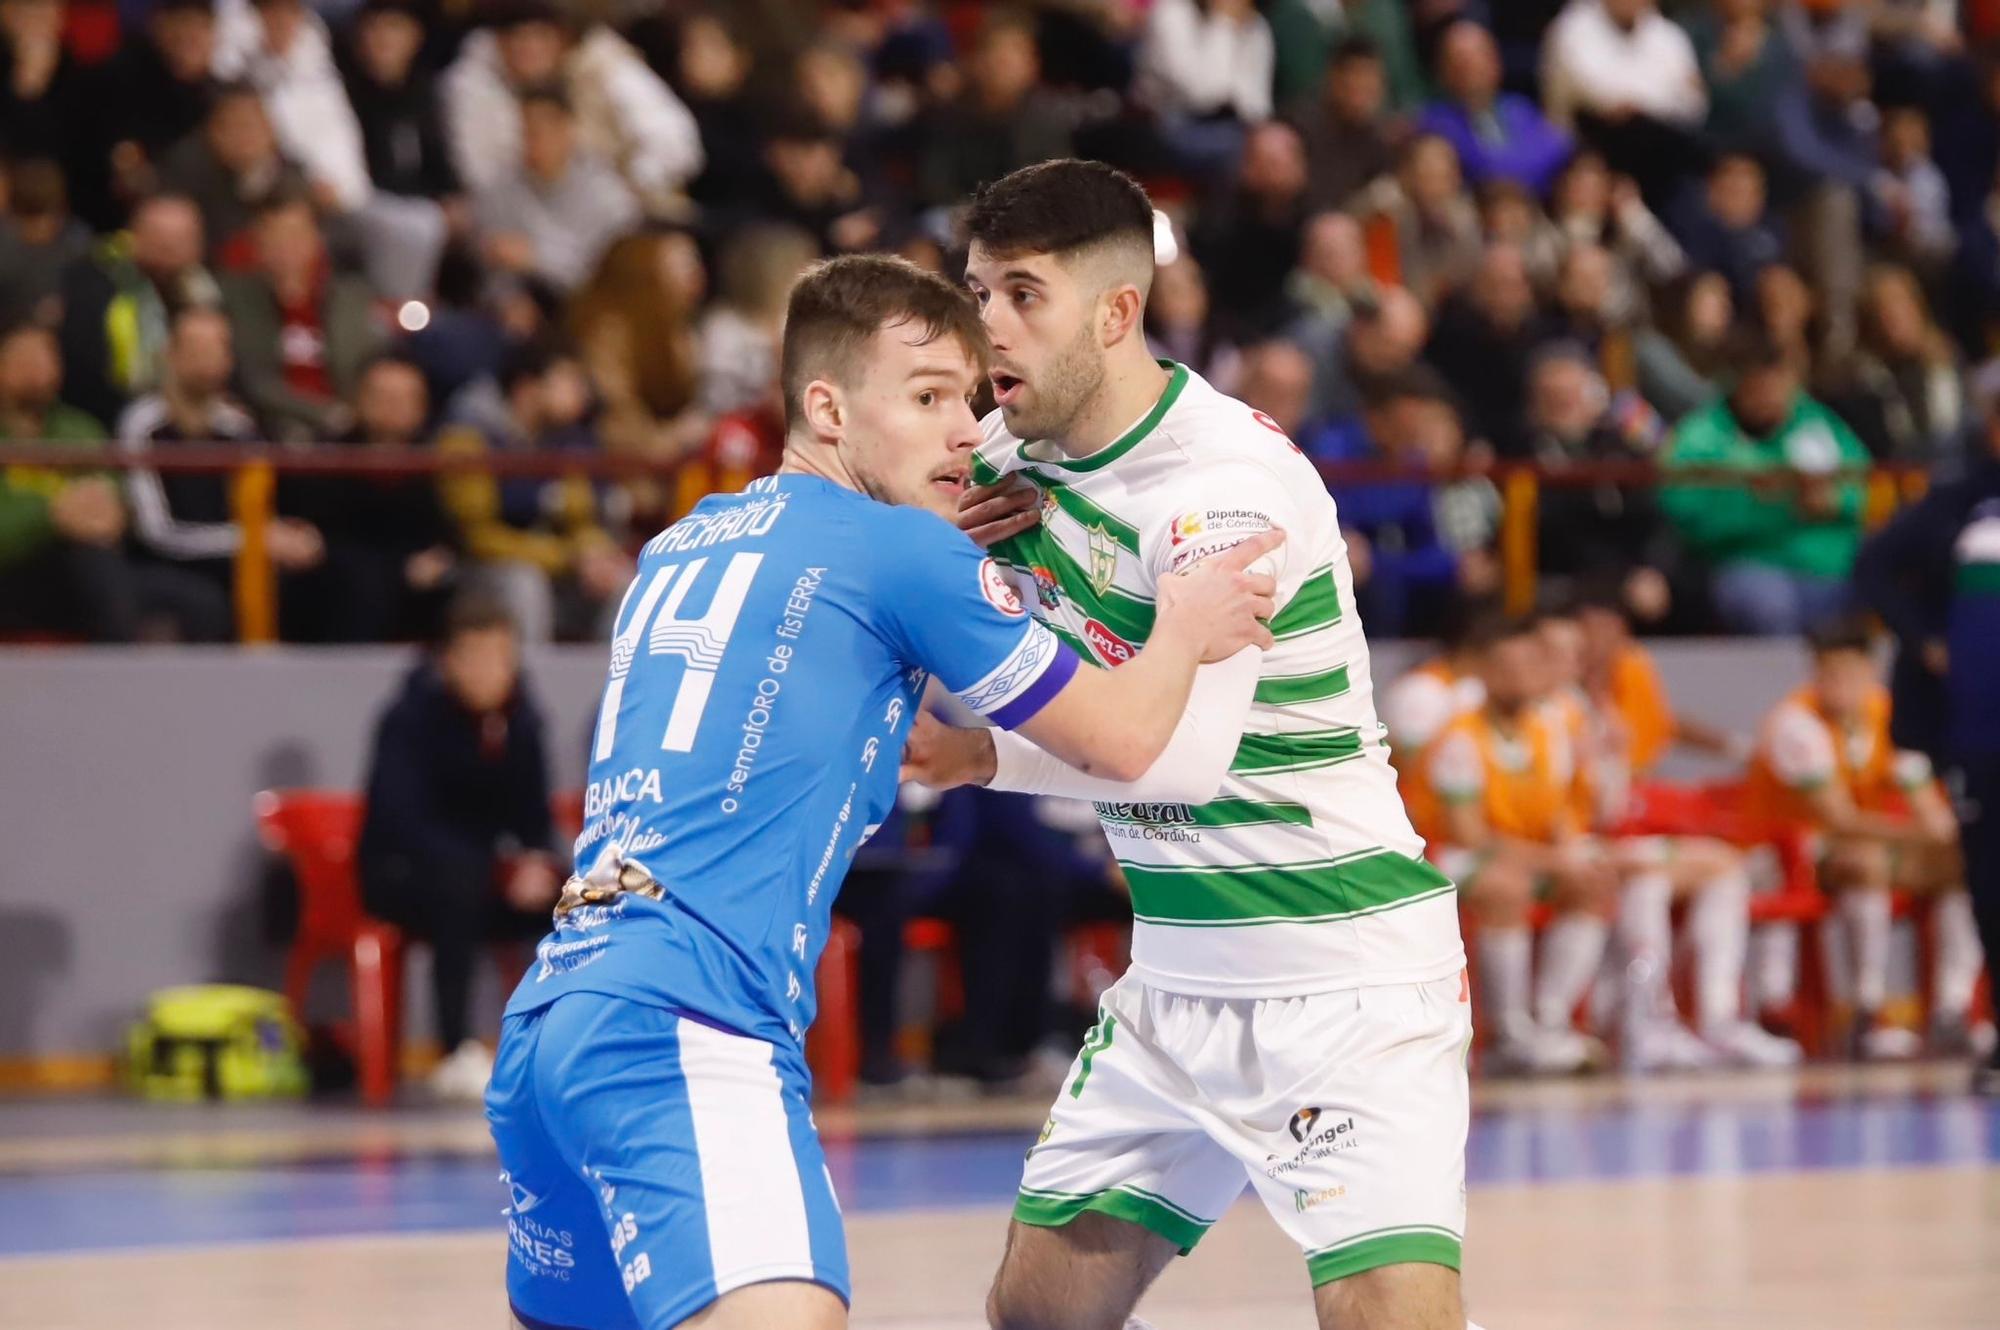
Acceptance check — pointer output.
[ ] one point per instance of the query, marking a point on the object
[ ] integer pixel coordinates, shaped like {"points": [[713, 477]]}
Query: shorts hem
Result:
{"points": [[1426, 1246], [1055, 1209], [789, 1272]]}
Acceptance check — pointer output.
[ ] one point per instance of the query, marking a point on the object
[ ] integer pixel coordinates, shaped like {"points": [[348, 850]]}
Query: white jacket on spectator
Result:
{"points": [[1201, 63], [1589, 63], [625, 115], [302, 94]]}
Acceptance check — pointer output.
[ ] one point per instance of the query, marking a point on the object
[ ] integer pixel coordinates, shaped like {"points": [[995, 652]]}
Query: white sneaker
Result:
{"points": [[1747, 1044], [1664, 1044], [1545, 1051], [462, 1076], [1890, 1043]]}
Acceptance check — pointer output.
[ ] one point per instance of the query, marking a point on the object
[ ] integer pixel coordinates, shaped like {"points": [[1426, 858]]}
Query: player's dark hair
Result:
{"points": [[1513, 627], [1843, 632], [1058, 206], [840, 304]]}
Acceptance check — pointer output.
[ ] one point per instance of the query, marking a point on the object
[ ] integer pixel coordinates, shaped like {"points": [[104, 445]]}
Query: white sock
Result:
{"points": [[1571, 951], [1504, 958], [1774, 970], [1646, 934], [1955, 969], [1866, 914], [1719, 930]]}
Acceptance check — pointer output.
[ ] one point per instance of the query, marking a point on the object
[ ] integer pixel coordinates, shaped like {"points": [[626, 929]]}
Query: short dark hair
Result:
{"points": [[475, 611], [840, 304], [1510, 627], [1413, 383], [529, 360], [1353, 47], [1843, 632], [1750, 346], [549, 94], [1057, 206]]}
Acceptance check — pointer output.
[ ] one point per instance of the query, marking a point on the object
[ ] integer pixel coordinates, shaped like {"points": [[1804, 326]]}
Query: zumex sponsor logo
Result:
{"points": [[1303, 1201], [1113, 649], [1318, 1137]]}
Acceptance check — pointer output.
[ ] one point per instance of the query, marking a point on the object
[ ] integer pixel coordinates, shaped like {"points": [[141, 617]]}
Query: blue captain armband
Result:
{"points": [[1038, 668]]}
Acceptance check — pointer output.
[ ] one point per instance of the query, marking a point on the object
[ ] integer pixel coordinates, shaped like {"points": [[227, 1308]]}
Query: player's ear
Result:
{"points": [[1124, 313], [825, 410]]}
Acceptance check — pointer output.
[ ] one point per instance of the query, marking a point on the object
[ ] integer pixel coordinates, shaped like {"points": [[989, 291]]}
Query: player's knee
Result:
{"points": [[1406, 1296], [1017, 1303], [1502, 894]]}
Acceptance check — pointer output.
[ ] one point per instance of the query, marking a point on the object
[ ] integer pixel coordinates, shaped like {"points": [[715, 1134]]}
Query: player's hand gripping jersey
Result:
{"points": [[1303, 874], [765, 667]]}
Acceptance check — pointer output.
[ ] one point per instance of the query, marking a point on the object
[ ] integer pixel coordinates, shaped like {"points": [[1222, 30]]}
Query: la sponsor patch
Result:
{"points": [[999, 592], [1110, 648]]}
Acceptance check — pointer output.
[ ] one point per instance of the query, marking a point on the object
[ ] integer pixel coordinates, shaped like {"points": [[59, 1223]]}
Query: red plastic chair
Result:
{"points": [[317, 831]]}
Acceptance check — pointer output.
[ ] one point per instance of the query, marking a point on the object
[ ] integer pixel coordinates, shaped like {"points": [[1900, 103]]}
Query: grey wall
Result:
{"points": [[128, 861]]}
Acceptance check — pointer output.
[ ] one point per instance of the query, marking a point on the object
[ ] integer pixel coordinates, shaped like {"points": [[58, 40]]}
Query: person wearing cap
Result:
{"points": [[1779, 536], [1933, 575]]}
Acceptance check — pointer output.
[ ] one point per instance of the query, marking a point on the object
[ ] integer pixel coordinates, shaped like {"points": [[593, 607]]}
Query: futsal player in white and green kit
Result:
{"points": [[1295, 1014]]}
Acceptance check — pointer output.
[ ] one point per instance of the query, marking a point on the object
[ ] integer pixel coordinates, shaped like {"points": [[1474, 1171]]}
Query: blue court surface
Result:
{"points": [[1546, 1139]]}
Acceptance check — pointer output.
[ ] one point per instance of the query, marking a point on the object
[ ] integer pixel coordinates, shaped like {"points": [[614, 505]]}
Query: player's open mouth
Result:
{"points": [[952, 482], [1006, 387]]}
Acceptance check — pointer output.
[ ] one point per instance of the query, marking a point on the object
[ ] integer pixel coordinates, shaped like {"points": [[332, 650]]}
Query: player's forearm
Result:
{"points": [[1190, 770], [1114, 724]]}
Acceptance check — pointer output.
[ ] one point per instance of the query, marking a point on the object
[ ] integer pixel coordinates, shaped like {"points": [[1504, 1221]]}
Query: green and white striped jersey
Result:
{"points": [[1303, 875]]}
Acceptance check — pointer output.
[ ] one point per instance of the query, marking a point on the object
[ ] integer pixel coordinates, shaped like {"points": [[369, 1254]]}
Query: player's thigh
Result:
{"points": [[1122, 1158], [1413, 1295], [789, 1303], [1087, 1274], [1855, 864], [1363, 1163], [697, 1145], [1494, 884]]}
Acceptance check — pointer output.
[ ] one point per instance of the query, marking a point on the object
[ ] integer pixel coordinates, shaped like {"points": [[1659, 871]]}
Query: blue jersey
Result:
{"points": [[767, 663]]}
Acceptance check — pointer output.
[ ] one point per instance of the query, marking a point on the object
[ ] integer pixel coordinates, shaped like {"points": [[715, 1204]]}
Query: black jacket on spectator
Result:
{"points": [[1488, 368], [1248, 247], [58, 124], [447, 786], [402, 132], [140, 101], [966, 147]]}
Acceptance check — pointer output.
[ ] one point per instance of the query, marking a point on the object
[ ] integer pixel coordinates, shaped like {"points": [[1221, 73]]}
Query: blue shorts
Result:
{"points": [[655, 1163]]}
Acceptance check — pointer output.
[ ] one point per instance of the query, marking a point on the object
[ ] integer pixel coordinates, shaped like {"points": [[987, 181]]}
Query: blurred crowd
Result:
{"points": [[1750, 236]]}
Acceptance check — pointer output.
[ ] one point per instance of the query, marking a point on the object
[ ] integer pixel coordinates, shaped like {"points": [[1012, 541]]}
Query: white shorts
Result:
{"points": [[1346, 1110]]}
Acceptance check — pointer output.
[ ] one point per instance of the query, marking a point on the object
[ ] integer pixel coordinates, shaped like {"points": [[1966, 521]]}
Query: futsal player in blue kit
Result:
{"points": [[650, 1097]]}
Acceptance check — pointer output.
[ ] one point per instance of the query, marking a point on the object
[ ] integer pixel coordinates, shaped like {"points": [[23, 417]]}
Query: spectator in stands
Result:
{"points": [[1680, 356], [1484, 338], [1590, 206], [60, 531], [1248, 241], [1574, 419], [1748, 67], [154, 93], [1346, 127], [1384, 337], [1178, 327], [281, 48], [560, 209], [1308, 34], [46, 97], [1787, 310], [1277, 380], [1906, 397], [1626, 78], [627, 117], [181, 522], [808, 184], [1205, 66], [303, 331], [1781, 540], [999, 123], [230, 169], [713, 65], [1498, 135], [538, 544], [39, 239], [455, 845], [1916, 198], [1436, 223], [737, 337], [1332, 273], [1727, 230], [117, 305], [1414, 544], [635, 330], [389, 555], [396, 100]]}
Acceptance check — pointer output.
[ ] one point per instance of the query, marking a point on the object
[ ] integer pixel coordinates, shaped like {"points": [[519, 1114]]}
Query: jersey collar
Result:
{"points": [[1177, 378]]}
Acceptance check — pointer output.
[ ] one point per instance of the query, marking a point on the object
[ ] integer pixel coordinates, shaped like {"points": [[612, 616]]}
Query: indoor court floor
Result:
{"points": [[1823, 1200]]}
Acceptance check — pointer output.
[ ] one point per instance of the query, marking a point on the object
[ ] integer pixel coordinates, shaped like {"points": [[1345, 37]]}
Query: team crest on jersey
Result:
{"points": [[1103, 557], [1047, 590]]}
